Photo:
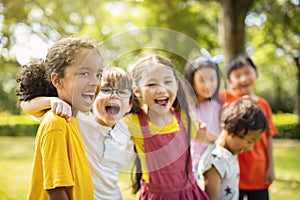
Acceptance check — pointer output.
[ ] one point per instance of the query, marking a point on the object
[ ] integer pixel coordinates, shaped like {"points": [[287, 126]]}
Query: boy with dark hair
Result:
{"points": [[243, 123], [256, 165]]}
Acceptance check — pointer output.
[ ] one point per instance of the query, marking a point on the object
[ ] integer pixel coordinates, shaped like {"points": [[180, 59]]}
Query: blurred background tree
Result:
{"points": [[267, 29]]}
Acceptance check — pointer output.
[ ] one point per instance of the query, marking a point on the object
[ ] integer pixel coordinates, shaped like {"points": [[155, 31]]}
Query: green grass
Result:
{"points": [[16, 154], [287, 162]]}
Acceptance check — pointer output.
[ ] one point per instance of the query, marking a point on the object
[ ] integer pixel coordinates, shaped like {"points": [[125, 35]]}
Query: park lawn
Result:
{"points": [[16, 155]]}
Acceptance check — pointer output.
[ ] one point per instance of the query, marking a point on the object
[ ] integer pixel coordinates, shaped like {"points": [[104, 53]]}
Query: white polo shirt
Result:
{"points": [[108, 151]]}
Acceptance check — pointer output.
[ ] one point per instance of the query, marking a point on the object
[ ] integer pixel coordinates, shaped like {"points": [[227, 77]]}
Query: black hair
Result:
{"points": [[33, 82], [239, 61], [197, 63], [243, 115]]}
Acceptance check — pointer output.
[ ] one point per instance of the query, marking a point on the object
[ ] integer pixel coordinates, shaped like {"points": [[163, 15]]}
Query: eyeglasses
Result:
{"points": [[122, 93]]}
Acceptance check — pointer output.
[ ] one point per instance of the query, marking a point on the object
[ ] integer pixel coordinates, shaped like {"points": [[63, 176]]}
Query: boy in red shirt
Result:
{"points": [[256, 165]]}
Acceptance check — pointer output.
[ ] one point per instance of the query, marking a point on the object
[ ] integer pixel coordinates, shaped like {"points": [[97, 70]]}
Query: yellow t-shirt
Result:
{"points": [[60, 160], [133, 124]]}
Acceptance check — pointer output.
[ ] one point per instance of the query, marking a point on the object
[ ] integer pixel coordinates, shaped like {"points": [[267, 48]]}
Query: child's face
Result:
{"points": [[81, 79], [237, 144], [157, 88], [205, 83], [110, 108], [243, 79]]}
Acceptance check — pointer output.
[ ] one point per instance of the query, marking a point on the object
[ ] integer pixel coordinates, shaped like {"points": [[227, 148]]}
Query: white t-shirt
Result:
{"points": [[108, 151], [228, 168]]}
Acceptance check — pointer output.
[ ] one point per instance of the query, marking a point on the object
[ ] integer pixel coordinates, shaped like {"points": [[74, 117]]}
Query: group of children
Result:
{"points": [[94, 121]]}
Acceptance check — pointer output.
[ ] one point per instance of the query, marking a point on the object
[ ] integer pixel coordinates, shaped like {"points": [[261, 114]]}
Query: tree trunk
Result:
{"points": [[232, 20], [297, 106]]}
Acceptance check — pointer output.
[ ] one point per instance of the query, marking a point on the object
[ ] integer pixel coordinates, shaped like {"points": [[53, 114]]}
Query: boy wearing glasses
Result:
{"points": [[108, 147]]}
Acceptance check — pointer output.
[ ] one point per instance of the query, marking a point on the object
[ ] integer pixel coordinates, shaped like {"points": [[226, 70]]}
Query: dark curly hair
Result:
{"points": [[241, 116], [34, 79], [33, 82]]}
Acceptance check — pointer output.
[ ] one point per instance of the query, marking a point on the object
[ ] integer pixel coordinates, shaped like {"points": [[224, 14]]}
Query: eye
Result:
{"points": [[123, 91], [106, 90], [168, 82], [151, 84], [99, 76], [83, 73]]}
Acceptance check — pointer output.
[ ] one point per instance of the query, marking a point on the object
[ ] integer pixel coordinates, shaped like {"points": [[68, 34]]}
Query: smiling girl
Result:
{"points": [[72, 70], [161, 129]]}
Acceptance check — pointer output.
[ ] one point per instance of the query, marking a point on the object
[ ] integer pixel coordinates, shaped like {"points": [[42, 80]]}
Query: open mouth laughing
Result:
{"points": [[88, 97], [112, 110], [162, 101]]}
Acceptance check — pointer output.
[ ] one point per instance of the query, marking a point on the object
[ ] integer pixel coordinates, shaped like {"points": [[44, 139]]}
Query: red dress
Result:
{"points": [[166, 156]]}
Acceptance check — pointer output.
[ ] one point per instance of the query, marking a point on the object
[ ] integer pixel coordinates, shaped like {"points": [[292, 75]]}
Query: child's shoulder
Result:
{"points": [[51, 118], [262, 100], [130, 116], [131, 120], [227, 96]]}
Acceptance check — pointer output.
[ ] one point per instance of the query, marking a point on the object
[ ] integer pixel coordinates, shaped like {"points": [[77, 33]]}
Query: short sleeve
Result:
{"points": [[57, 172], [272, 130]]}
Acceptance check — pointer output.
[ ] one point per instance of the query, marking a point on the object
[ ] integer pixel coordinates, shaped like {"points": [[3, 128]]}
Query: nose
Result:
{"points": [[114, 93], [243, 78], [162, 88], [209, 85], [95, 80]]}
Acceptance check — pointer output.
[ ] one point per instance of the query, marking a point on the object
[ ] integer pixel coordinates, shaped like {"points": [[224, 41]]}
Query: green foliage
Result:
{"points": [[17, 125], [8, 119], [276, 47], [284, 119], [288, 125], [272, 45]]}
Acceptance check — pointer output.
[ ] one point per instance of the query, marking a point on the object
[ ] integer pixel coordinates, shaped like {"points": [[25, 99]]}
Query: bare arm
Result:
{"points": [[39, 105], [270, 174], [212, 183], [58, 194], [203, 135]]}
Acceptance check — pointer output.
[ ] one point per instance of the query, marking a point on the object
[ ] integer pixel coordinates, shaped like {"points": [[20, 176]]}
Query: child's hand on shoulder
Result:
{"points": [[61, 108]]}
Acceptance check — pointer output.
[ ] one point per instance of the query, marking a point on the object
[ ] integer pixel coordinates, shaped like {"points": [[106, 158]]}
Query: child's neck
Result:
{"points": [[160, 119], [221, 141], [252, 95], [201, 99], [74, 112]]}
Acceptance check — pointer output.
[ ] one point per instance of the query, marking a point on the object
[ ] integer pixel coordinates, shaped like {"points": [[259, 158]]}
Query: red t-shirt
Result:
{"points": [[253, 163]]}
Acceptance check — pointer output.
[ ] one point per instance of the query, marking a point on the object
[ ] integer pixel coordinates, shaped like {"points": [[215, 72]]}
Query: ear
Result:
{"points": [[229, 82], [56, 81], [137, 92], [256, 74]]}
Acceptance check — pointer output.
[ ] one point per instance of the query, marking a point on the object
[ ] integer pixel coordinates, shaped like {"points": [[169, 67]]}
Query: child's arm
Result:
{"points": [[39, 105], [58, 194], [270, 174], [212, 183], [203, 135]]}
